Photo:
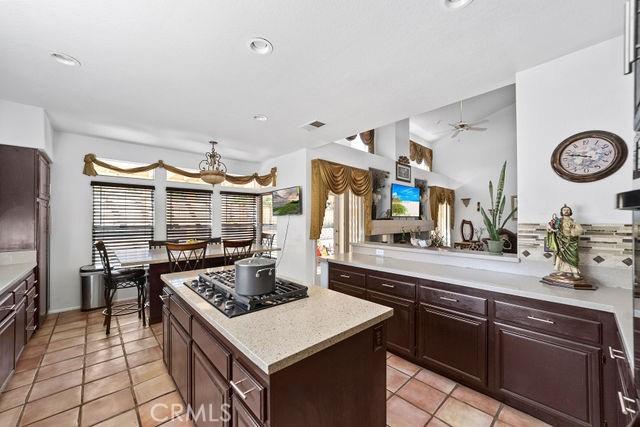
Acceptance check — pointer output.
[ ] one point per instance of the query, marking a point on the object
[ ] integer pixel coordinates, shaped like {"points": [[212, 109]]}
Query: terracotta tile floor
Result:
{"points": [[71, 373]]}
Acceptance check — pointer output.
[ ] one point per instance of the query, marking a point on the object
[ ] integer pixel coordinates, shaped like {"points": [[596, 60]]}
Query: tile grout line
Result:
{"points": [[131, 387]]}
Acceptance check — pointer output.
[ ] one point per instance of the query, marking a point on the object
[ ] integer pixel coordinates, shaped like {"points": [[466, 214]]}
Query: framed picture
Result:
{"points": [[403, 172], [514, 205]]}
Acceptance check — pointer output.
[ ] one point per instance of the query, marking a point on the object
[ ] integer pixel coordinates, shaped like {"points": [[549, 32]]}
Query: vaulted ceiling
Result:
{"points": [[175, 73]]}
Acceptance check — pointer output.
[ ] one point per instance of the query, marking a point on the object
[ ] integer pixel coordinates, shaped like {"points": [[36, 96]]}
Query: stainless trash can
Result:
{"points": [[92, 287]]}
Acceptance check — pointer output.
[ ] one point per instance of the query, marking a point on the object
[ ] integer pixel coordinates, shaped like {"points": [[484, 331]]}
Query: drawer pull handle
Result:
{"points": [[163, 298], [387, 286], [449, 299], [31, 328], [537, 319], [616, 354], [242, 394], [8, 307], [345, 276], [623, 404]]}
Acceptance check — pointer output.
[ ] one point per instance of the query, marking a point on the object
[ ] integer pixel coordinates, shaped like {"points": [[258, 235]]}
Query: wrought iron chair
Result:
{"points": [[186, 256], [235, 250], [267, 242], [121, 279]]}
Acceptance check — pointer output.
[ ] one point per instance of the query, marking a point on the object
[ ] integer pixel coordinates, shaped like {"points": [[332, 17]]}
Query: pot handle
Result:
{"points": [[270, 269]]}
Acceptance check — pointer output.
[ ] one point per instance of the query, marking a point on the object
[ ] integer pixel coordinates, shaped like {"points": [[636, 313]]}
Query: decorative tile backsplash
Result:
{"points": [[605, 245]]}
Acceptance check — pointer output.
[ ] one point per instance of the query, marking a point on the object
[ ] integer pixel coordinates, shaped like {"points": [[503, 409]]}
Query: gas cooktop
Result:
{"points": [[218, 289]]}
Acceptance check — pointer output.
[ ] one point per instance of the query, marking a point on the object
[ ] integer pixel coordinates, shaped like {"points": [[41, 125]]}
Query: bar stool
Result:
{"points": [[235, 250], [186, 256], [121, 279]]}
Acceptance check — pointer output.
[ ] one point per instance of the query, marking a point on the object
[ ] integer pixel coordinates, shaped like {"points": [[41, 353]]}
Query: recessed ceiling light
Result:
{"points": [[260, 46], [456, 4], [65, 59], [260, 117]]}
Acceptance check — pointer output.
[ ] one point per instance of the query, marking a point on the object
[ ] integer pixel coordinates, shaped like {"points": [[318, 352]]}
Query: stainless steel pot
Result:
{"points": [[255, 276]]}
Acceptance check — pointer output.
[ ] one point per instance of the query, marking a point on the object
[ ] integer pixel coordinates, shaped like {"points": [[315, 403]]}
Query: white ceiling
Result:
{"points": [[434, 125], [176, 73]]}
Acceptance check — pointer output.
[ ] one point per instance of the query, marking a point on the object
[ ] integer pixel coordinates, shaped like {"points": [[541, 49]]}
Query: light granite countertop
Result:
{"points": [[280, 336], [14, 266], [610, 299]]}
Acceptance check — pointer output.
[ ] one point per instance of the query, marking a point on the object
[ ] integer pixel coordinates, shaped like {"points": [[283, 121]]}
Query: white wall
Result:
{"points": [[25, 126], [476, 159], [581, 91], [71, 215]]}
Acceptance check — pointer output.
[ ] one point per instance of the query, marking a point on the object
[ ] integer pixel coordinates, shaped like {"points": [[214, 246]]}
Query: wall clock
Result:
{"points": [[589, 156]]}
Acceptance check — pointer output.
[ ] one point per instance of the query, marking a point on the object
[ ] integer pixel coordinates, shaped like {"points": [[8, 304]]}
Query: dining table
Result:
{"points": [[158, 263]]}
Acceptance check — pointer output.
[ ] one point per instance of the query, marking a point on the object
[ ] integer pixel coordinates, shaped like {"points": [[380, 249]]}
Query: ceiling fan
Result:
{"points": [[463, 126]]}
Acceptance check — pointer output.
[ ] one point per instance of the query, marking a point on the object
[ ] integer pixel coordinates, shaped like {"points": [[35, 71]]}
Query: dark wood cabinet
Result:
{"points": [[455, 342], [548, 374], [21, 327], [24, 211], [7, 348], [180, 357], [210, 392], [166, 336], [241, 416], [401, 327], [354, 291]]}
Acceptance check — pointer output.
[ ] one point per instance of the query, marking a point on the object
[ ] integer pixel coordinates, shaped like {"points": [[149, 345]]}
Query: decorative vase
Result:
{"points": [[495, 246]]}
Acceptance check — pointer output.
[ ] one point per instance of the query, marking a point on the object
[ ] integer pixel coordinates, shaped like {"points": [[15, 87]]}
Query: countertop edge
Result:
{"points": [[22, 270], [271, 368]]}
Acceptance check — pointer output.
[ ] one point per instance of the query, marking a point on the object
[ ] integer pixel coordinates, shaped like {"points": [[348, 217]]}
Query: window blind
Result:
{"points": [[239, 215], [188, 214], [122, 217]]}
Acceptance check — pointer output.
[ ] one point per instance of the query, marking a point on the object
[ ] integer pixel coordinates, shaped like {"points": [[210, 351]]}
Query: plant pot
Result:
{"points": [[495, 246]]}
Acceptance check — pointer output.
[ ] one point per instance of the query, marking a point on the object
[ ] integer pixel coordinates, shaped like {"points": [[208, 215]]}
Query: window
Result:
{"points": [[422, 165], [188, 214], [125, 165], [444, 223], [239, 215], [122, 217], [269, 222], [174, 177]]}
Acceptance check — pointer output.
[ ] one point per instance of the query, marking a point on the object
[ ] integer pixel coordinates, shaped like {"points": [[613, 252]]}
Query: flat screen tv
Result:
{"points": [[405, 201], [287, 201]]}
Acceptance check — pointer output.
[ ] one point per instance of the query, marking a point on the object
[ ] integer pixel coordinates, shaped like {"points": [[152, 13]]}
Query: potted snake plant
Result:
{"points": [[493, 222]]}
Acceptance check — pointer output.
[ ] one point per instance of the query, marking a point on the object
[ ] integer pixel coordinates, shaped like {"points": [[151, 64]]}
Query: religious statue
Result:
{"points": [[562, 239]]}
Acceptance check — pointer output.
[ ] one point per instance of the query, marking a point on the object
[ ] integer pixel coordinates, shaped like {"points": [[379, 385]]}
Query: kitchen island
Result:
{"points": [[318, 361]]}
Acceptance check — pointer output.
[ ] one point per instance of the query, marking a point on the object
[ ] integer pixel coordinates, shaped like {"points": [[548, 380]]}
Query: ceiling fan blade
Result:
{"points": [[454, 134], [476, 129], [479, 122], [453, 125]]}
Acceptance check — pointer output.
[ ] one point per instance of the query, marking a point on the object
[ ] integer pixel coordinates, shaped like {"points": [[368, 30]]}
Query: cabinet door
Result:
{"points": [[241, 416], [348, 289], [7, 348], [180, 349], [400, 327], [42, 248], [454, 342], [166, 336], [21, 328], [43, 177], [549, 375], [210, 393]]}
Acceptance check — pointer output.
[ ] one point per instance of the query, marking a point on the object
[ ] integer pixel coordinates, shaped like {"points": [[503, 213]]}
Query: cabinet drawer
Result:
{"points": [[248, 390], [453, 300], [20, 291], [6, 305], [31, 281], [348, 276], [391, 287], [182, 316], [217, 354], [553, 323], [31, 296], [354, 291]]}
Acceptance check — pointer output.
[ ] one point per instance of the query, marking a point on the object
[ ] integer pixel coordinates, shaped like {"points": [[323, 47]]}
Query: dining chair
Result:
{"points": [[236, 249], [115, 280], [186, 256], [267, 242]]}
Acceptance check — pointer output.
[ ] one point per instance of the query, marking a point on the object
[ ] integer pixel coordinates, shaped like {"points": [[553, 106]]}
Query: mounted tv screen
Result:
{"points": [[405, 201], [287, 201]]}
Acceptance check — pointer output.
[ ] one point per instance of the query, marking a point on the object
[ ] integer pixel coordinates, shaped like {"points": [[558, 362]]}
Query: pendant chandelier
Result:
{"points": [[212, 170]]}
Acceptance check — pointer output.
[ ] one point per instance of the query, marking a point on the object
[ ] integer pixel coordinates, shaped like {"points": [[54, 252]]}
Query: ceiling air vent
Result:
{"points": [[313, 125]]}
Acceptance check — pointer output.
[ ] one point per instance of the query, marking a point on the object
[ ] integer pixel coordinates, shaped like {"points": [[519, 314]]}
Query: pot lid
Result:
{"points": [[256, 262]]}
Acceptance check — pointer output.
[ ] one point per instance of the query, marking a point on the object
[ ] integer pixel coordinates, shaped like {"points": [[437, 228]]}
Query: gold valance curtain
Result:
{"points": [[419, 153], [437, 196], [367, 138], [90, 160], [336, 178]]}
